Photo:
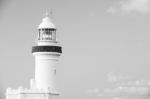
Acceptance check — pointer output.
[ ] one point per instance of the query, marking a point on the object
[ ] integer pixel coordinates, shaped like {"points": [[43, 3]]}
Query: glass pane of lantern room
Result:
{"points": [[54, 35], [41, 31], [47, 35]]}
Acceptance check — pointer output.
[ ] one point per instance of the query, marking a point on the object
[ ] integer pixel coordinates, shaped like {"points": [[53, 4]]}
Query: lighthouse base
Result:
{"points": [[32, 93], [21, 93]]}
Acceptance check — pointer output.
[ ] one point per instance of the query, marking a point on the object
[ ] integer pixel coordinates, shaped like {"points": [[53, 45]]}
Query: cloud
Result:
{"points": [[130, 6], [93, 91], [136, 83], [112, 77], [138, 89], [129, 90], [124, 88]]}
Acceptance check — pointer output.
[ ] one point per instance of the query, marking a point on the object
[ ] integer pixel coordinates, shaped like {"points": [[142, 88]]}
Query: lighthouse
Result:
{"points": [[46, 52]]}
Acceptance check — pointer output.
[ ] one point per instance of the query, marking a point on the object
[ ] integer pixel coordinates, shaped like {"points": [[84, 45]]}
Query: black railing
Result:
{"points": [[57, 49]]}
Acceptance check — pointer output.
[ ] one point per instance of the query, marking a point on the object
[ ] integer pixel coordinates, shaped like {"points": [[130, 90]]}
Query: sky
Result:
{"points": [[106, 46]]}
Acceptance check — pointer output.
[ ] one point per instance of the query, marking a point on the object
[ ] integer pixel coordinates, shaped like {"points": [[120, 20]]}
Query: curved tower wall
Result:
{"points": [[45, 70]]}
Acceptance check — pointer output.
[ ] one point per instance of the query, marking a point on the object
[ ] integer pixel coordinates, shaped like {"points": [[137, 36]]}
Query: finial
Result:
{"points": [[47, 14], [51, 13]]}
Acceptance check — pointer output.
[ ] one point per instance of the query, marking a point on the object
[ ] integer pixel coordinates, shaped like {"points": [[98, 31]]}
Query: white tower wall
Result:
{"points": [[45, 70]]}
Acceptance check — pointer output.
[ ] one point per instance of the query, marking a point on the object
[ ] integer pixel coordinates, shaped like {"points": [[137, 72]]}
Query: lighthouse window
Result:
{"points": [[55, 71], [46, 35], [40, 34], [54, 35]]}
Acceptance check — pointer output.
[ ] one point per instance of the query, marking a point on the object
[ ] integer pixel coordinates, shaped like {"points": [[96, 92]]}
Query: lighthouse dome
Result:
{"points": [[46, 23]]}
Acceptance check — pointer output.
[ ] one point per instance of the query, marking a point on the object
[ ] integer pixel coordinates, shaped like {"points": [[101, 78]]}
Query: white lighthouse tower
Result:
{"points": [[46, 52]]}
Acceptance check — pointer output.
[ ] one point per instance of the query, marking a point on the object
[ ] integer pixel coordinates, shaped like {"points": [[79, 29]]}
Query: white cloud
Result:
{"points": [[135, 83], [138, 89], [93, 91], [112, 77], [130, 90], [129, 6], [124, 88]]}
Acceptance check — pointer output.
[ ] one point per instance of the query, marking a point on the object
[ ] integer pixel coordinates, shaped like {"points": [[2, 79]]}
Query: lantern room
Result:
{"points": [[47, 30], [47, 34]]}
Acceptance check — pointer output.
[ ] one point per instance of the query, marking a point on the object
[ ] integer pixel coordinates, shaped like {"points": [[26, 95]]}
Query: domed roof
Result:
{"points": [[46, 23]]}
